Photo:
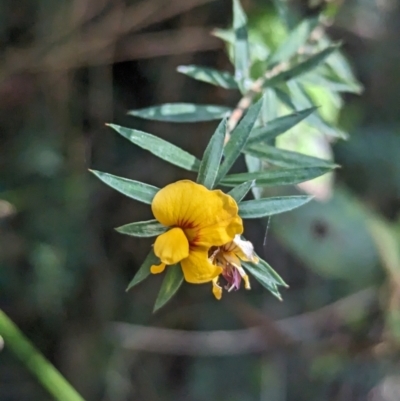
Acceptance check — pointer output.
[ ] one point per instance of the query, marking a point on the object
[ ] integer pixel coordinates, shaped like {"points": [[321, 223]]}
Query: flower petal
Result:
{"points": [[244, 249], [216, 289], [231, 259], [156, 269], [197, 268], [172, 246], [207, 217]]}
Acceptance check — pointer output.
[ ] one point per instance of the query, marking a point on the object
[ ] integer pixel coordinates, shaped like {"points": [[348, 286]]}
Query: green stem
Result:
{"points": [[50, 378]]}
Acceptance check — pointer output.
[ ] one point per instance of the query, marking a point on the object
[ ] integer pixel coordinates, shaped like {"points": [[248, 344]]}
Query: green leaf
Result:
{"points": [[279, 280], [150, 228], [301, 99], [240, 191], [278, 126], [238, 139], [285, 158], [269, 109], [285, 15], [241, 49], [222, 79], [263, 276], [301, 68], [279, 176], [133, 189], [159, 147], [212, 157], [144, 270], [284, 97], [254, 165], [338, 62], [330, 80], [182, 112], [170, 285], [227, 35], [254, 209], [297, 38]]}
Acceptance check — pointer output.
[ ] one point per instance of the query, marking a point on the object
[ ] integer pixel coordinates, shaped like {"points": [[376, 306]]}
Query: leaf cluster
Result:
{"points": [[300, 59]]}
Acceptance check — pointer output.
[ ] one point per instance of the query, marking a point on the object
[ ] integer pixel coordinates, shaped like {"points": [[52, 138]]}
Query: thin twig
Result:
{"points": [[246, 101], [61, 51], [301, 330]]}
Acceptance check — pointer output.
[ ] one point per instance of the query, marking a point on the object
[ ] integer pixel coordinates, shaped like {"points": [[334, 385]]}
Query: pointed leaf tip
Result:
{"points": [[240, 191], [144, 270], [159, 147], [173, 279], [181, 112], [150, 228], [238, 139], [264, 207], [211, 76], [212, 157], [133, 189]]}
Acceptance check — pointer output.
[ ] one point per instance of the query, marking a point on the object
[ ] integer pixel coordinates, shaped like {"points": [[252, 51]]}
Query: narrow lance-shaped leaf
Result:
{"points": [[262, 275], [278, 126], [240, 191], [279, 176], [269, 108], [254, 209], [279, 280], [150, 228], [254, 165], [227, 35], [133, 189], [238, 139], [297, 38], [182, 112], [285, 158], [159, 147], [172, 281], [144, 270], [285, 14], [212, 157], [330, 80], [241, 45], [301, 99], [338, 63], [212, 76], [301, 68]]}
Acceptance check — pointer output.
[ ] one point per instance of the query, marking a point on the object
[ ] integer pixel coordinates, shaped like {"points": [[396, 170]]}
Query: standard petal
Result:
{"points": [[176, 204], [207, 217], [172, 246], [197, 269], [218, 234]]}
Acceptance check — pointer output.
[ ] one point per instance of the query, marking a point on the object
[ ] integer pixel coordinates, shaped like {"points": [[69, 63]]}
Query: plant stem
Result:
{"points": [[49, 377], [246, 101]]}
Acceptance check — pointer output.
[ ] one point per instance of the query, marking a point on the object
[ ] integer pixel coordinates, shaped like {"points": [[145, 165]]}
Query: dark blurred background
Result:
{"points": [[69, 67]]}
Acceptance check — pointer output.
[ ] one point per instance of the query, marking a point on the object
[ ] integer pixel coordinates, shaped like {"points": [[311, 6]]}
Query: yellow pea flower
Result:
{"points": [[228, 257], [198, 219]]}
